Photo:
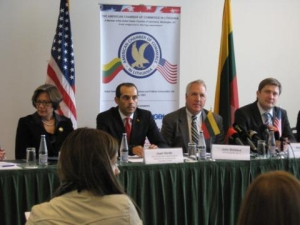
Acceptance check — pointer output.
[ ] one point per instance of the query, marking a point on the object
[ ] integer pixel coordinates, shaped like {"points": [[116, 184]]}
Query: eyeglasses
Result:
{"points": [[44, 103]]}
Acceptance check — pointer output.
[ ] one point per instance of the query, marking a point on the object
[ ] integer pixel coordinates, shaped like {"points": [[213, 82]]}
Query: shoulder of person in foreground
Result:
{"points": [[108, 209]]}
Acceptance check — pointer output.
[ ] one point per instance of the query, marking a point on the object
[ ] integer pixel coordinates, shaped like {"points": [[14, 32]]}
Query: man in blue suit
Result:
{"points": [[263, 112], [142, 123]]}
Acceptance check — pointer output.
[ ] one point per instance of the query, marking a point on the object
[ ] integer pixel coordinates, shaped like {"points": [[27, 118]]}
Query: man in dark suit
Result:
{"points": [[176, 127], [141, 121], [263, 113]]}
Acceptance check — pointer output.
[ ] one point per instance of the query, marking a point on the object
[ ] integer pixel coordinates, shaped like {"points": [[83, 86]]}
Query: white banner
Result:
{"points": [[140, 44]]}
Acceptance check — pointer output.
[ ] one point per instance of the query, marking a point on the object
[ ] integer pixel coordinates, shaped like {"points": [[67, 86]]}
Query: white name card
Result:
{"points": [[231, 152], [163, 155], [294, 149]]}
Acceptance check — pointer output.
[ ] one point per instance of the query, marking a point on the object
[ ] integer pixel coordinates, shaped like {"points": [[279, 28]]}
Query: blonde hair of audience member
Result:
{"points": [[88, 162], [273, 198]]}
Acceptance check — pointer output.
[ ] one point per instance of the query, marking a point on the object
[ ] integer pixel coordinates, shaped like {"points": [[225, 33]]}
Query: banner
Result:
{"points": [[140, 44]]}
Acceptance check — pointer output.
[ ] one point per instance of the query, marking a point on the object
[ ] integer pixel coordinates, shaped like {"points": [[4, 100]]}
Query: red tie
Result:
{"points": [[128, 127]]}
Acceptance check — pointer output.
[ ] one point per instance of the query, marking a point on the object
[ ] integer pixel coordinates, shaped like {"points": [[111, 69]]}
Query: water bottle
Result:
{"points": [[201, 147], [272, 144], [43, 152], [124, 149]]}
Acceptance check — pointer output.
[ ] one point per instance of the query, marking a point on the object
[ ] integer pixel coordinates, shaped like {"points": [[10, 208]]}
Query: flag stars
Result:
{"points": [[65, 67], [65, 59]]}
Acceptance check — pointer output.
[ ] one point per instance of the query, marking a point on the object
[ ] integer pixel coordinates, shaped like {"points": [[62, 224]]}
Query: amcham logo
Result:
{"points": [[140, 54]]}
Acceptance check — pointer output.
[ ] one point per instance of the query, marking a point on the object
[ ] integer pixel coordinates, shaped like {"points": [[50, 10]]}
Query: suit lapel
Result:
{"points": [[183, 126]]}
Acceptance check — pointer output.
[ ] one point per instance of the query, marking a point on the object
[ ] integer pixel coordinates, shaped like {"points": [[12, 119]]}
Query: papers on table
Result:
{"points": [[8, 166], [135, 159]]}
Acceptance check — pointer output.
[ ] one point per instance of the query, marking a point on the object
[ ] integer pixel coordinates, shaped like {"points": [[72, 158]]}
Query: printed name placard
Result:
{"points": [[294, 150], [231, 152], [163, 155]]}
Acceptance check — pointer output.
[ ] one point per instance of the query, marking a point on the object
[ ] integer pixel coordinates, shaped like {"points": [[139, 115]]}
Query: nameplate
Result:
{"points": [[294, 150], [230, 152], [163, 155]]}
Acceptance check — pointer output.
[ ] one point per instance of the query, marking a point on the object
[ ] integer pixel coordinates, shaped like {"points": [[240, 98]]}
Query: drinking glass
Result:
{"points": [[192, 150], [30, 158], [261, 149]]}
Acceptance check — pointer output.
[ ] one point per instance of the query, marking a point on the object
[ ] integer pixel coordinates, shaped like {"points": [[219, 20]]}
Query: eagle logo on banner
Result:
{"points": [[140, 56]]}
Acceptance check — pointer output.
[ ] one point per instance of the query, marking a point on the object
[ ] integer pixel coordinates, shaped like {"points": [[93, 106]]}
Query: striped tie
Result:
{"points": [[268, 118], [195, 133]]}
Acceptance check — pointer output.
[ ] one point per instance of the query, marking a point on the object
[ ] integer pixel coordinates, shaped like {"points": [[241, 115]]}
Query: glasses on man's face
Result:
{"points": [[43, 103]]}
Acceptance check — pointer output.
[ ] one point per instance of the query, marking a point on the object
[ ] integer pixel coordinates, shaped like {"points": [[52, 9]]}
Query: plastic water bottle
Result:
{"points": [[201, 147], [124, 149], [43, 152], [272, 144]]}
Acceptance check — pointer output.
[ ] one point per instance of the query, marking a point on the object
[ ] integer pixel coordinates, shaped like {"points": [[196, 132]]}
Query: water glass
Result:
{"points": [[192, 150], [30, 158], [262, 149]]}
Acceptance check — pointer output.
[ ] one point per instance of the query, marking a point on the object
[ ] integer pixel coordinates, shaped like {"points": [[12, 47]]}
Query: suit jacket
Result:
{"points": [[143, 125], [175, 129], [85, 208], [249, 118], [30, 129]]}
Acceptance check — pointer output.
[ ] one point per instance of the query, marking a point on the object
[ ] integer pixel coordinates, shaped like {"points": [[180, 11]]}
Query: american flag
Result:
{"points": [[61, 70]]}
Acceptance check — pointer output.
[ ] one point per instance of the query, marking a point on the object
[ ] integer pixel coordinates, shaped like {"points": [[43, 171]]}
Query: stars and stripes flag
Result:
{"points": [[61, 70]]}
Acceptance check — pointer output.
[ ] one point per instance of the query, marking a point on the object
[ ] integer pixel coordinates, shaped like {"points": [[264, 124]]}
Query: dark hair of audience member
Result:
{"points": [[85, 163], [273, 198]]}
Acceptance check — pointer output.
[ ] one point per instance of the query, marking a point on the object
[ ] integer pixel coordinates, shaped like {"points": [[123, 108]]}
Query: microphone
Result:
{"points": [[254, 136], [233, 135], [244, 135], [264, 130]]}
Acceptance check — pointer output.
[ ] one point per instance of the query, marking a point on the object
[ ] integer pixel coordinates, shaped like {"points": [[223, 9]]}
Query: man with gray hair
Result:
{"points": [[177, 126]]}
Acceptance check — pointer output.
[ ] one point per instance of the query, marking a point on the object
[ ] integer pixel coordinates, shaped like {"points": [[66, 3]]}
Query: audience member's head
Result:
{"points": [[273, 198], [88, 162]]}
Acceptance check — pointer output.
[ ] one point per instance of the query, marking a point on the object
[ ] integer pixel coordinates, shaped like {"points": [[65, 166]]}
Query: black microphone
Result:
{"points": [[264, 130], [244, 135], [254, 136], [232, 134]]}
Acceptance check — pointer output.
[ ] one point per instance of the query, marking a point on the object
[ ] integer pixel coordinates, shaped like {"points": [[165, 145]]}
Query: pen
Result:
{"points": [[8, 165]]}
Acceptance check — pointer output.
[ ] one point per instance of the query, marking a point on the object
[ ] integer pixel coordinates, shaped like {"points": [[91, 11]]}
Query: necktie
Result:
{"points": [[127, 127], [195, 133], [268, 118]]}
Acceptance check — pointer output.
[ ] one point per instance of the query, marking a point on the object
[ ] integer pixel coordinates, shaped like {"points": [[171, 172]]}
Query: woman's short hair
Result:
{"points": [[272, 198], [53, 93], [85, 163]]}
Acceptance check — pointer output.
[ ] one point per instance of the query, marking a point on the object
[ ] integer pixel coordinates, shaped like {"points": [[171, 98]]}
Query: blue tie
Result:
{"points": [[268, 118]]}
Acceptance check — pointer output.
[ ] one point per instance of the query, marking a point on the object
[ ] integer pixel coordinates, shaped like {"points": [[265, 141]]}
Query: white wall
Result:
{"points": [[266, 38]]}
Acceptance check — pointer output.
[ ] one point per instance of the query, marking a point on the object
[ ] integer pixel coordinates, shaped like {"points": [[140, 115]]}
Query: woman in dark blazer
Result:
{"points": [[45, 99]]}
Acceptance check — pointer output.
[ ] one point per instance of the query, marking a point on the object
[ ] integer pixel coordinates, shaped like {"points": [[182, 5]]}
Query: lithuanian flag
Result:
{"points": [[209, 126], [226, 98]]}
